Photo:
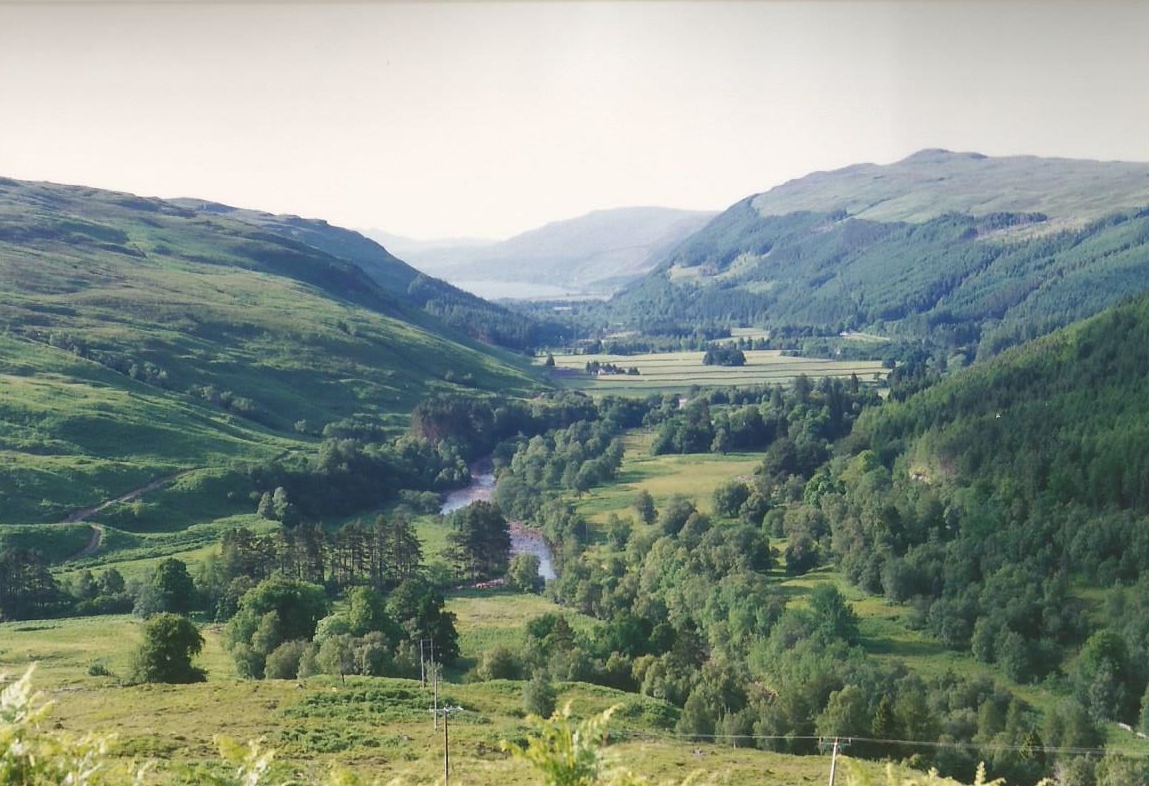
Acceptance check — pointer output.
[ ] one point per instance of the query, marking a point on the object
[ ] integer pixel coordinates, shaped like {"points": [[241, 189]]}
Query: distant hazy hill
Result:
{"points": [[956, 246], [140, 337], [594, 254]]}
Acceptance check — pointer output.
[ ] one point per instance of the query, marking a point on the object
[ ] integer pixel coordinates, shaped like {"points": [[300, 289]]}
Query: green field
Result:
{"points": [[664, 476], [379, 728], [678, 372]]}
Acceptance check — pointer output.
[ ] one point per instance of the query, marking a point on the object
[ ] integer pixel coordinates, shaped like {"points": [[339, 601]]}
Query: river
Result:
{"points": [[524, 539]]}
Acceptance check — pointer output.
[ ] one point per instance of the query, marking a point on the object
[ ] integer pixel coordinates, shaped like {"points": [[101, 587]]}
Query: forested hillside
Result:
{"points": [[992, 499], [967, 253], [139, 338]]}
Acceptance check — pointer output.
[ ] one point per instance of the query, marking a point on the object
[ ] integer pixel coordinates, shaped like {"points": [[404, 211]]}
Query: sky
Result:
{"points": [[475, 119]]}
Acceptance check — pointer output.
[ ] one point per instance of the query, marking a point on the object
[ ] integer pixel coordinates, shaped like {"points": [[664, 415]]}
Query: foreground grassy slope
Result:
{"points": [[138, 338], [379, 728]]}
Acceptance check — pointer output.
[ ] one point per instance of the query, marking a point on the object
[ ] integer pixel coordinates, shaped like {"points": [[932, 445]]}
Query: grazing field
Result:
{"points": [[678, 372], [695, 476], [378, 728]]}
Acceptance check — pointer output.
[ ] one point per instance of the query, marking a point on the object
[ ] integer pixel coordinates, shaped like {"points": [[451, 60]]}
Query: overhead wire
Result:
{"points": [[955, 744]]}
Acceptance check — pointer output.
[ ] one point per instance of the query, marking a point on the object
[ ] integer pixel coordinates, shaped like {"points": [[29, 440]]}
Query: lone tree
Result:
{"points": [[481, 541], [174, 586], [170, 643]]}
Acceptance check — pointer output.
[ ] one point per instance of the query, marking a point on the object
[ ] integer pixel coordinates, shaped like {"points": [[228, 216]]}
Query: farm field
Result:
{"points": [[694, 476], [677, 372]]}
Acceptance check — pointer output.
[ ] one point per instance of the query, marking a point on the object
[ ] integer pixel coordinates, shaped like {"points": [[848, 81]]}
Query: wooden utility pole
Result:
{"points": [[446, 712], [446, 750], [836, 746]]}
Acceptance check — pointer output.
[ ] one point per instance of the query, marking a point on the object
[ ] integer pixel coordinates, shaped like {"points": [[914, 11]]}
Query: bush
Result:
{"points": [[539, 695], [499, 663], [170, 643], [283, 662], [523, 573]]}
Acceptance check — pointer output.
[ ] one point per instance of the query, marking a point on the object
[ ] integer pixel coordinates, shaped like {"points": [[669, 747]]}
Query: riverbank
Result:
{"points": [[524, 539]]}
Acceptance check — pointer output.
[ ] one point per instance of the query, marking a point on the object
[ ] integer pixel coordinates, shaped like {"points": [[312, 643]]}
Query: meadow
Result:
{"points": [[379, 728], [678, 372]]}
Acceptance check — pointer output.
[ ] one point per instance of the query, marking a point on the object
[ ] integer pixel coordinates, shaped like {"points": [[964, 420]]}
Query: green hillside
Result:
{"points": [[969, 252], [139, 338], [461, 310]]}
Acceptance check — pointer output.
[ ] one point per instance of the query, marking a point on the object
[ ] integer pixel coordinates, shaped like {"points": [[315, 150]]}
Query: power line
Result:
{"points": [[956, 745]]}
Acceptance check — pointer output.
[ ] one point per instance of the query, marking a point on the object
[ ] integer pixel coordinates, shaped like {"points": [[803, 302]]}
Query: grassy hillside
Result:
{"points": [[139, 338], [461, 310], [378, 728], [969, 252]]}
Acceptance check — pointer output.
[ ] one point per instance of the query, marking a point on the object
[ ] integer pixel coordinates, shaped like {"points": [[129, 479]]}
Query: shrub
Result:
{"points": [[170, 643], [283, 662], [539, 695]]}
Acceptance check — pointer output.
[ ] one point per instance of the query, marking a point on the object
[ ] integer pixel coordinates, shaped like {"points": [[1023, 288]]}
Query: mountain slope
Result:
{"points": [[1063, 416], [462, 310], [593, 254], [1007, 504], [959, 248], [138, 338]]}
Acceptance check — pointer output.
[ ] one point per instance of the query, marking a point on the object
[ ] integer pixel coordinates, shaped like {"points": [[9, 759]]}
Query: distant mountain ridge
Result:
{"points": [[930, 183], [594, 254], [964, 250]]}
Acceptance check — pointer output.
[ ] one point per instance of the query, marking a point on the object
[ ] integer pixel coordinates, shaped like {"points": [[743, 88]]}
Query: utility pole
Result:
{"points": [[446, 750], [426, 649], [428, 670], [837, 744], [446, 712]]}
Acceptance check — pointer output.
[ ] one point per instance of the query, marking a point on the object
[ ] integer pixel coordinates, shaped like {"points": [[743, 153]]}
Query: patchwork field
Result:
{"points": [[677, 372]]}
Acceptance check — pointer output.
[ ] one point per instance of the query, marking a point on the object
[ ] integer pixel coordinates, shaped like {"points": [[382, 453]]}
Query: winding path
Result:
{"points": [[83, 514]]}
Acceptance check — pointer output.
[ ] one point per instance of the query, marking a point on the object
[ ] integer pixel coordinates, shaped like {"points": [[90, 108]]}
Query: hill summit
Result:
{"points": [[965, 252], [933, 182]]}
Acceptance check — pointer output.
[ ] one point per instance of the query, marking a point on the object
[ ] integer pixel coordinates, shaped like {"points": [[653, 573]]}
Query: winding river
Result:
{"points": [[524, 539]]}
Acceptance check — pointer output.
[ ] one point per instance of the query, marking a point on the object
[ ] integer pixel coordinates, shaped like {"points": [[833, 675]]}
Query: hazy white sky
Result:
{"points": [[486, 119]]}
